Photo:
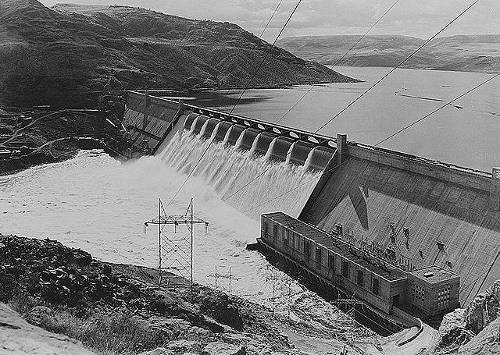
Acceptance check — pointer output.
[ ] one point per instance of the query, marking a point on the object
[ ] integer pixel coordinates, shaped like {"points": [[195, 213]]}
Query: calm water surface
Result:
{"points": [[466, 134]]}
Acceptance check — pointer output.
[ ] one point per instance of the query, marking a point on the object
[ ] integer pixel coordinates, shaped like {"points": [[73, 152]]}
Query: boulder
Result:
{"points": [[181, 346]]}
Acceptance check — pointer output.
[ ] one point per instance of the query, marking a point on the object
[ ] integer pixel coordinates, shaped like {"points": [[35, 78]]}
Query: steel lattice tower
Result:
{"points": [[175, 246]]}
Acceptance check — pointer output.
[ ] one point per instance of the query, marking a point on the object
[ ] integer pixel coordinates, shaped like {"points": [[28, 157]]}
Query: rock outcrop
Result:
{"points": [[476, 327], [120, 308]]}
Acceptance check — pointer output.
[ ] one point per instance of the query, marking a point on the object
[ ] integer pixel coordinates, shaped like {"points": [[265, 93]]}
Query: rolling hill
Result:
{"points": [[55, 55], [478, 53]]}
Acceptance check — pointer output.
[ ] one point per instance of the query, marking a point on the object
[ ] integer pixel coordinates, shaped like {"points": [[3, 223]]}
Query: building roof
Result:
{"points": [[334, 244], [434, 274]]}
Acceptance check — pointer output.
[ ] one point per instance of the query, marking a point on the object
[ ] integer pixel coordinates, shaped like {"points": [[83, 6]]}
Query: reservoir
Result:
{"points": [[465, 133]]}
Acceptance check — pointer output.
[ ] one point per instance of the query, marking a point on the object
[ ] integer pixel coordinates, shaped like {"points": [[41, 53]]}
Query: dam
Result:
{"points": [[417, 212]]}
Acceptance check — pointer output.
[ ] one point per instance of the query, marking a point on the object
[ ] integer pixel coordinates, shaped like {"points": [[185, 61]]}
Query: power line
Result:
{"points": [[385, 139], [255, 73], [265, 57], [271, 18], [439, 108], [397, 66], [309, 90], [340, 59], [373, 86]]}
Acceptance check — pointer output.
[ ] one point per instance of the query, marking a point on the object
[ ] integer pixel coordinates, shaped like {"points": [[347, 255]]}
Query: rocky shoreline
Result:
{"points": [[122, 309], [118, 308], [475, 328]]}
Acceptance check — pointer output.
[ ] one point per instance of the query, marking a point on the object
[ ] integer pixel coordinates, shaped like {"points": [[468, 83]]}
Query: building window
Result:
{"points": [[345, 269], [375, 286], [331, 262], [265, 226], [359, 278], [285, 237], [318, 255], [292, 240], [275, 232], [443, 298], [307, 249]]}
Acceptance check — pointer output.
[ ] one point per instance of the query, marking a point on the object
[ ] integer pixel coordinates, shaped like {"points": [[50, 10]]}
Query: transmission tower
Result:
{"points": [[175, 245]]}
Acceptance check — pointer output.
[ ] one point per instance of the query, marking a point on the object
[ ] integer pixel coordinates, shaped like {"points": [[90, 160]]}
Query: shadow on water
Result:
{"points": [[224, 98]]}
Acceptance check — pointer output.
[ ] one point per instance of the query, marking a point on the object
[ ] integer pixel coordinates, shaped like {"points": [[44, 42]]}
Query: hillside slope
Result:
{"points": [[54, 55], [478, 53], [18, 337]]}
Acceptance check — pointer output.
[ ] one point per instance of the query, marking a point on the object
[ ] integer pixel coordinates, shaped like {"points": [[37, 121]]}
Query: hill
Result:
{"points": [[478, 53], [53, 55]]}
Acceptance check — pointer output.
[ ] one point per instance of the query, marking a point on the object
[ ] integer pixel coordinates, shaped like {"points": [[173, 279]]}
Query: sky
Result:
{"points": [[419, 18]]}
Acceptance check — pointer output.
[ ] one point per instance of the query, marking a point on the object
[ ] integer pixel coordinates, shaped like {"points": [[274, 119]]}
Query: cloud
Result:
{"points": [[420, 18]]}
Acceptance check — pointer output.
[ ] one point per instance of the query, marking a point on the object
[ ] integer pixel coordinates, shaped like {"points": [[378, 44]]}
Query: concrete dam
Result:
{"points": [[417, 212]]}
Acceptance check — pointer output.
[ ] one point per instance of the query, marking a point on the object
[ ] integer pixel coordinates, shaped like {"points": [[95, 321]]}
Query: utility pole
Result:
{"points": [[175, 247]]}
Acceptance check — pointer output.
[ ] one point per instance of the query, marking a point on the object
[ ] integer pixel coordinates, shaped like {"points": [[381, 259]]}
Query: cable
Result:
{"points": [[397, 66], [371, 87], [309, 90], [258, 68], [340, 59], [383, 140], [271, 18], [265, 57], [438, 109]]}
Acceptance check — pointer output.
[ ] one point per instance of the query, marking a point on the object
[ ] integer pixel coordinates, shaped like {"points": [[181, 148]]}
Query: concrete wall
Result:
{"points": [[431, 304], [437, 170], [152, 121], [372, 190], [148, 120]]}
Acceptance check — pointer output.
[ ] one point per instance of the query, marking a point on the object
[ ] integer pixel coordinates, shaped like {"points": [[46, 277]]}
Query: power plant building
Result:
{"points": [[359, 272]]}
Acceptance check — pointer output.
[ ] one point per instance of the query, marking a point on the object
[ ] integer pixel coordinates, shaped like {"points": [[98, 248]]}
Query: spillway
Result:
{"points": [[208, 128], [262, 143], [198, 124], [230, 170], [278, 150], [247, 138]]}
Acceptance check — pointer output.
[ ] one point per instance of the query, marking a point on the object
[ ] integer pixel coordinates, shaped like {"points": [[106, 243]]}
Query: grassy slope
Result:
{"points": [[479, 53], [46, 54]]}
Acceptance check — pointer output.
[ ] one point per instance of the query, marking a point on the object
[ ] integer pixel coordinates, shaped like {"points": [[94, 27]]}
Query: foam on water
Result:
{"points": [[95, 203], [251, 184]]}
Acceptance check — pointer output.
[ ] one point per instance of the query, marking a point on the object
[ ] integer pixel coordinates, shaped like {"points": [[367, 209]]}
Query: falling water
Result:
{"points": [[252, 184], [95, 203]]}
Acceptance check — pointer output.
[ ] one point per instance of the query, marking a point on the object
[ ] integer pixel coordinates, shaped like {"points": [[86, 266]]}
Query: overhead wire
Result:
{"points": [[255, 73], [397, 66], [270, 19], [265, 56], [339, 60], [371, 87], [309, 90], [385, 139]]}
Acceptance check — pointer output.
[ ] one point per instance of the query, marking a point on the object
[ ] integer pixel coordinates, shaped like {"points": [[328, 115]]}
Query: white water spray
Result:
{"points": [[230, 171]]}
